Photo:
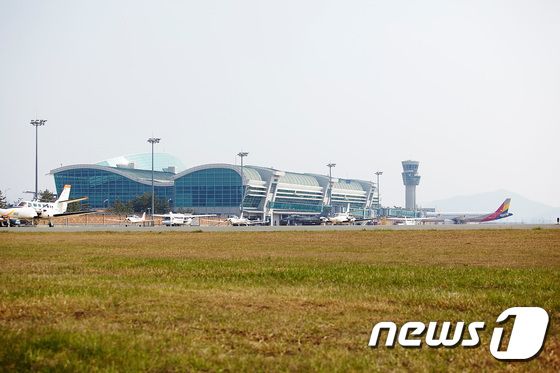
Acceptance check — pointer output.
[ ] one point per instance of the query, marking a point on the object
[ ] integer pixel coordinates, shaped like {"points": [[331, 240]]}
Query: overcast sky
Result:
{"points": [[471, 89]]}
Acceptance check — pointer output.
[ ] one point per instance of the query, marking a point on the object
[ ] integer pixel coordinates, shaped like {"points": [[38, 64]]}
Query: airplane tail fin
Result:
{"points": [[61, 204], [144, 216], [65, 195], [504, 207]]}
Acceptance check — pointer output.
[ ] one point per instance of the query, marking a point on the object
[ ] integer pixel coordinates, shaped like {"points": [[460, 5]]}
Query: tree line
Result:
{"points": [[141, 204]]}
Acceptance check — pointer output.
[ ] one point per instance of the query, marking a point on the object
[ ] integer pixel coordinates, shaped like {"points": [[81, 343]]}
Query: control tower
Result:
{"points": [[410, 179]]}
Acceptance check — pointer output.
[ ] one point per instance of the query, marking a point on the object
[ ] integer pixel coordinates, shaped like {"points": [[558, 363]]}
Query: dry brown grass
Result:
{"points": [[264, 300]]}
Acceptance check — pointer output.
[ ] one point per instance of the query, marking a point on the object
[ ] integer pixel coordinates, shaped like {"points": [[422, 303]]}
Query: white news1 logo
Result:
{"points": [[526, 339]]}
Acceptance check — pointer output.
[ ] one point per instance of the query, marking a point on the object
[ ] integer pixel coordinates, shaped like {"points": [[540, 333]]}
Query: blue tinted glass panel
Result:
{"points": [[104, 188], [213, 187]]}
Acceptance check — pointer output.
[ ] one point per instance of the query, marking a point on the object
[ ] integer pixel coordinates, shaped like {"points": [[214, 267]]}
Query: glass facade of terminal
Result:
{"points": [[296, 206], [103, 188], [217, 188], [212, 187]]}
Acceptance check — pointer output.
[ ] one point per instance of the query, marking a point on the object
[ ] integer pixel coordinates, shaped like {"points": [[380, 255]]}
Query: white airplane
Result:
{"points": [[33, 210], [408, 221], [133, 219], [173, 219], [238, 221], [463, 218], [340, 218], [343, 218]]}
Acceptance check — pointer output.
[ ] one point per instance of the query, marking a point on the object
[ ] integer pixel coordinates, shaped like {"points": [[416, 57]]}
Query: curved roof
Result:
{"points": [[140, 176], [262, 174], [348, 185], [143, 161], [250, 173], [259, 175], [298, 179]]}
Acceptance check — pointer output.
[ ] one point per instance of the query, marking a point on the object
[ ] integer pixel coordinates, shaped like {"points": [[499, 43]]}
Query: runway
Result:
{"points": [[159, 228]]}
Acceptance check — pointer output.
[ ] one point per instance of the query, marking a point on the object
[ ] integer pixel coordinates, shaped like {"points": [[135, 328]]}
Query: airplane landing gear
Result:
{"points": [[51, 224]]}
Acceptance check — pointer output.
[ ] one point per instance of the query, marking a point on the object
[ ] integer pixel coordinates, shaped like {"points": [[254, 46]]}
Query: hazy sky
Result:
{"points": [[471, 89]]}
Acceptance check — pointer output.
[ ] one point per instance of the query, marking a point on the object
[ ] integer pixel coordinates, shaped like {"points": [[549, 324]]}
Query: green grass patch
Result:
{"points": [[264, 301]]}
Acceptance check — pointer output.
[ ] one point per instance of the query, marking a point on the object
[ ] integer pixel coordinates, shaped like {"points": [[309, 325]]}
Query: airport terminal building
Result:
{"points": [[216, 188]]}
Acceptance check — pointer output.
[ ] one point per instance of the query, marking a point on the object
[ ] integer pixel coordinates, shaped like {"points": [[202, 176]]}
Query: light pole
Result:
{"points": [[37, 123], [378, 173], [153, 140], [330, 166], [242, 155]]}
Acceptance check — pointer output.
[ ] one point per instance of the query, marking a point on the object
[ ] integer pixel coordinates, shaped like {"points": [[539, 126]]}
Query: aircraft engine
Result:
{"points": [[46, 213]]}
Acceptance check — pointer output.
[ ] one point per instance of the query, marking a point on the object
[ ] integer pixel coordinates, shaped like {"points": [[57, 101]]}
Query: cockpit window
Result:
{"points": [[22, 204]]}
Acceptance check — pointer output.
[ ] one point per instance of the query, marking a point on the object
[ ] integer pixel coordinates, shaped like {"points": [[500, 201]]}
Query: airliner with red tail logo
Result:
{"points": [[463, 218]]}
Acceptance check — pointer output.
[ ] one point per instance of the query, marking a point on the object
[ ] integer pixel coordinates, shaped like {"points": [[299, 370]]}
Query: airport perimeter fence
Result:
{"points": [[115, 219]]}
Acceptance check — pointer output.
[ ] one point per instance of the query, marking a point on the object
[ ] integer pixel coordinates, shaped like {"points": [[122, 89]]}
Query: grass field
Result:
{"points": [[266, 301]]}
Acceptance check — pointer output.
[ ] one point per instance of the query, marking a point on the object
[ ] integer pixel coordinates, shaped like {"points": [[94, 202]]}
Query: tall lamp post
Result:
{"points": [[330, 166], [378, 173], [153, 140], [37, 123], [242, 155]]}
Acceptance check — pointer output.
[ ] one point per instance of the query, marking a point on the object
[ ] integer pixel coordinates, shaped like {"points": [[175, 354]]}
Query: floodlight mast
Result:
{"points": [[37, 123], [330, 166], [153, 141], [242, 155], [378, 173]]}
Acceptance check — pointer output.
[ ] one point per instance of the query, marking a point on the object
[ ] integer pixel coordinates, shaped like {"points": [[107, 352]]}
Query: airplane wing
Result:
{"points": [[427, 220], [186, 216], [75, 213], [74, 200], [168, 215], [364, 219]]}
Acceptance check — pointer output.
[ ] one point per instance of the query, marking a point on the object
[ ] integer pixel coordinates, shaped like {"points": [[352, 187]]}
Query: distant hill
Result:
{"points": [[523, 209]]}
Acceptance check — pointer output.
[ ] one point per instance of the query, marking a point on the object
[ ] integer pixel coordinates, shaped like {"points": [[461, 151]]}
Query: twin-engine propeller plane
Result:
{"points": [[238, 221], [176, 219], [35, 210]]}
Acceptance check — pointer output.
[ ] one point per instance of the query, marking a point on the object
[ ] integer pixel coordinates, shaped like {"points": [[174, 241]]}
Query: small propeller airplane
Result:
{"points": [[34, 210], [134, 219], [342, 218], [239, 221], [176, 219]]}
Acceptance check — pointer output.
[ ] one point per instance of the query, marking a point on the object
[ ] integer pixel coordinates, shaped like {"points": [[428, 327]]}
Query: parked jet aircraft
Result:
{"points": [[173, 219], [463, 218], [33, 210]]}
